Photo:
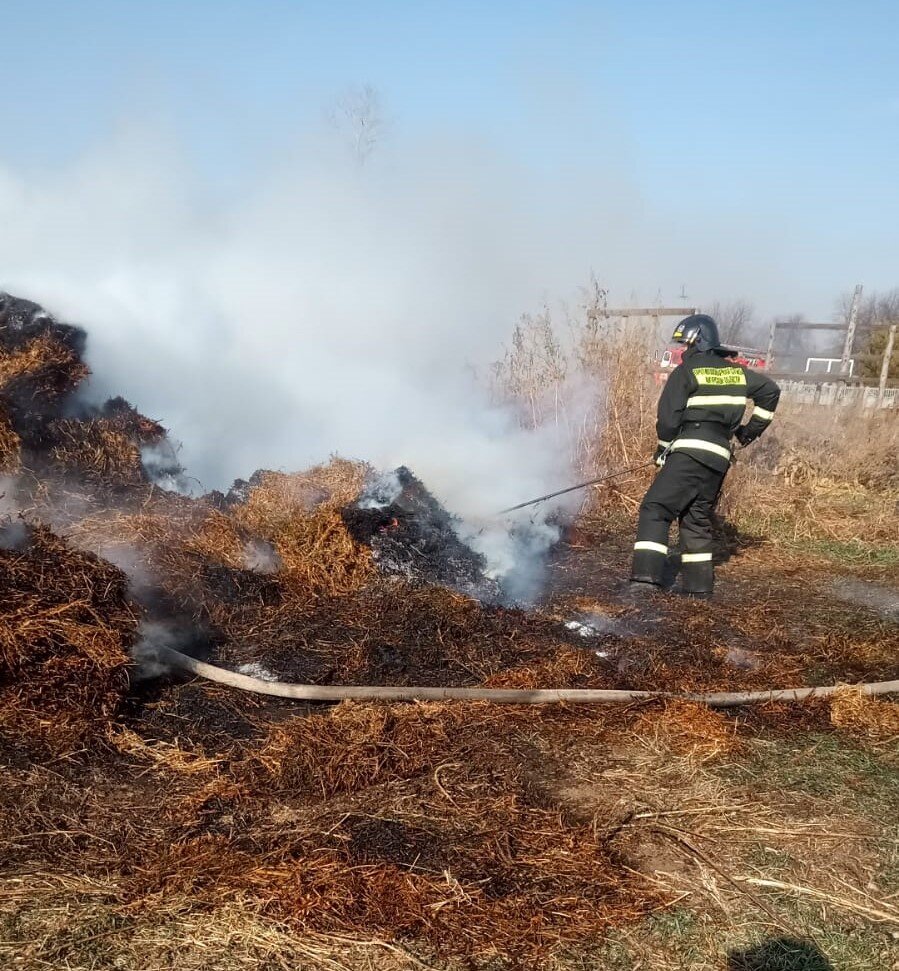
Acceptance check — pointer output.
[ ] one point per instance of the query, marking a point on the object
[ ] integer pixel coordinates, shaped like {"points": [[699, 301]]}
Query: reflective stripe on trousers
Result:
{"points": [[651, 547]]}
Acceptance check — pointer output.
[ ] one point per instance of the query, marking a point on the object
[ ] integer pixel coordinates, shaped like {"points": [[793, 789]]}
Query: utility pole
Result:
{"points": [[850, 331], [885, 367], [771, 335]]}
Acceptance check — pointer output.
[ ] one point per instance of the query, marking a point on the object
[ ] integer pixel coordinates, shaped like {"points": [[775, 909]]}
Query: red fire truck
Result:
{"points": [[747, 356]]}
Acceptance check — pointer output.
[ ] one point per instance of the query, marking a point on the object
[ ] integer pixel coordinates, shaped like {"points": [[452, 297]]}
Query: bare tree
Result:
{"points": [[358, 117], [870, 357], [793, 345], [877, 310], [737, 323], [875, 316]]}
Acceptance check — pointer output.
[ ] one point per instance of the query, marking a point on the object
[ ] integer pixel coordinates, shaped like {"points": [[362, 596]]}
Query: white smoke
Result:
{"points": [[9, 507], [13, 534], [152, 636], [142, 583], [13, 531], [381, 490], [515, 551], [261, 557], [160, 462], [327, 309]]}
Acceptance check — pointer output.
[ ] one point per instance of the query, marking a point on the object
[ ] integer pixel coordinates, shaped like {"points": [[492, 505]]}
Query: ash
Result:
{"points": [[410, 534], [255, 670]]}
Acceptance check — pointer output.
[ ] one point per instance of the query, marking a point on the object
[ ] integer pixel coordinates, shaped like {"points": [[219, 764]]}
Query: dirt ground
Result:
{"points": [[773, 621]]}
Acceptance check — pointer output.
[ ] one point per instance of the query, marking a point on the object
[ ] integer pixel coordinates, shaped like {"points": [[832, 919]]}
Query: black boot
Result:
{"points": [[697, 575], [639, 588]]}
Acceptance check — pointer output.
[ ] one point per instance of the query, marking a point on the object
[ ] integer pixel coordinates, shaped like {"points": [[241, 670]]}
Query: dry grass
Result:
{"points": [[163, 754], [72, 922], [689, 731], [567, 666], [356, 746], [45, 363], [300, 515], [871, 718], [826, 476], [213, 537], [206, 559], [156, 543], [97, 452], [421, 824], [276, 499], [865, 452]]}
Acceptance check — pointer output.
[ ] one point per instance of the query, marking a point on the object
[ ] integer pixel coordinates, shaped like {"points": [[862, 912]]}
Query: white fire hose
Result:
{"points": [[503, 696]]}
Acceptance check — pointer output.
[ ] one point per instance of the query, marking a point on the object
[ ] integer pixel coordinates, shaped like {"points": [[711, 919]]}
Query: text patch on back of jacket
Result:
{"points": [[720, 376]]}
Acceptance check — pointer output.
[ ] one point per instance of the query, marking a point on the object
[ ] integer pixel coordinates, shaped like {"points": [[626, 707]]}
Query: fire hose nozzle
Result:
{"points": [[580, 485]]}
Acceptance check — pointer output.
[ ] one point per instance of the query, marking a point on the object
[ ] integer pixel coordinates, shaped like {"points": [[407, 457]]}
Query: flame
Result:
{"points": [[149, 429]]}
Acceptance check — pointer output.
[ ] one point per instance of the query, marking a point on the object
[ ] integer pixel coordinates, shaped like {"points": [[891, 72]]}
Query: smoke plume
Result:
{"points": [[329, 308]]}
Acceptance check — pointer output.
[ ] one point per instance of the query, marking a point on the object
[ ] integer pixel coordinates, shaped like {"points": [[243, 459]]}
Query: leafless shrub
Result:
{"points": [[592, 374]]}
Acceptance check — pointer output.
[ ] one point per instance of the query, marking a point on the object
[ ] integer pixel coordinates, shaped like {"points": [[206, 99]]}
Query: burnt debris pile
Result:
{"points": [[47, 426], [333, 575], [412, 535], [66, 625]]}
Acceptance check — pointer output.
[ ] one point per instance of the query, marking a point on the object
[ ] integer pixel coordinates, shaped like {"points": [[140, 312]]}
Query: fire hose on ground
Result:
{"points": [[503, 696]]}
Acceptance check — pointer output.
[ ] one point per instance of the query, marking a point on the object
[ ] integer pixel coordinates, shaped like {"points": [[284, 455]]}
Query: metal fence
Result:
{"points": [[836, 395]]}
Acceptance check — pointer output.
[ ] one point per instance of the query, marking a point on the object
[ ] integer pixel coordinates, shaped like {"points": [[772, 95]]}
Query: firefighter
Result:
{"points": [[701, 409]]}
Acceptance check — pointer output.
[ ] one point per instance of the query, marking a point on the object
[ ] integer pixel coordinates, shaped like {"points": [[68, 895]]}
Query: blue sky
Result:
{"points": [[777, 121]]}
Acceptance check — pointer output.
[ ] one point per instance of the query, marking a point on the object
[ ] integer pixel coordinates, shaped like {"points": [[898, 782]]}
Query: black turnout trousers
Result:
{"points": [[686, 490]]}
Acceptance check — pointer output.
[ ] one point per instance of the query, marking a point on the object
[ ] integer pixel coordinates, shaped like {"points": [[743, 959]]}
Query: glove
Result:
{"points": [[659, 457], [742, 436]]}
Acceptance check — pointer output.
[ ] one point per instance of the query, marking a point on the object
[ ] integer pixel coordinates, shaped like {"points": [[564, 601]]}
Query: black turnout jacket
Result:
{"points": [[703, 404]]}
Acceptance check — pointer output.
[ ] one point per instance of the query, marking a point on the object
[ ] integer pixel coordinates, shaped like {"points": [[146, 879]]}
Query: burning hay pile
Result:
{"points": [[419, 824], [412, 535]]}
